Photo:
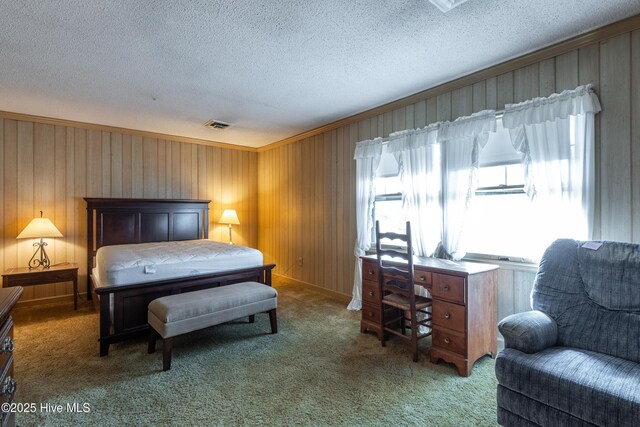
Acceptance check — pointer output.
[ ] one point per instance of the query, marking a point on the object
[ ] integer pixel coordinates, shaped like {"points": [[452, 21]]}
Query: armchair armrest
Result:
{"points": [[529, 332]]}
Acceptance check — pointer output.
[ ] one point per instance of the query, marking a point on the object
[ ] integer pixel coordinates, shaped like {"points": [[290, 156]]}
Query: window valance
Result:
{"points": [[412, 139], [581, 100], [476, 124], [369, 149]]}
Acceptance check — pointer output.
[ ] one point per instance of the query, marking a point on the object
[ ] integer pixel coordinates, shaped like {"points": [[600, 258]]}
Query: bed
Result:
{"points": [[141, 223]]}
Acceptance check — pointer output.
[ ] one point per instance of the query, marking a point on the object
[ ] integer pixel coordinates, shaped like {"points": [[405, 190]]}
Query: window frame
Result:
{"points": [[388, 197], [499, 190]]}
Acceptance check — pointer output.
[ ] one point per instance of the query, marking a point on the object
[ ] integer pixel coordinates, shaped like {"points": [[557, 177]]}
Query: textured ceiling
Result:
{"points": [[271, 68]]}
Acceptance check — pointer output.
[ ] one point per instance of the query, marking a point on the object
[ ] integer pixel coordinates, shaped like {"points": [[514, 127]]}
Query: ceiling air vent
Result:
{"points": [[447, 5], [216, 124]]}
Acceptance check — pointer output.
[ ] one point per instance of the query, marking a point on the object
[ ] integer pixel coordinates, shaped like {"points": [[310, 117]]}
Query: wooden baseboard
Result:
{"points": [[333, 294]]}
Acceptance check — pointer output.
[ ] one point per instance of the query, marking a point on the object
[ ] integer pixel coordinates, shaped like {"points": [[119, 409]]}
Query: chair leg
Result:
{"points": [[414, 334], [152, 340], [273, 318], [382, 325], [166, 353], [403, 323], [252, 318]]}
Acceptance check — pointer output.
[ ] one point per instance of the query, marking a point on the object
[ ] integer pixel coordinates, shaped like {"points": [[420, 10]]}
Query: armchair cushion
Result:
{"points": [[593, 387], [529, 332], [611, 276]]}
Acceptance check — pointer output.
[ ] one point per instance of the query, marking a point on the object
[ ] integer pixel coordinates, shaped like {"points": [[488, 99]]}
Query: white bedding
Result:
{"points": [[147, 262]]}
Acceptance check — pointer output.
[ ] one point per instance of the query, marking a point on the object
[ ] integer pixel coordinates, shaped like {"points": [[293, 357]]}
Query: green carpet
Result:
{"points": [[319, 370]]}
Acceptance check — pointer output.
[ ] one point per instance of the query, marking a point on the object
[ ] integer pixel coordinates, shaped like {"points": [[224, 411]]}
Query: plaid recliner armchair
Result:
{"points": [[575, 359]]}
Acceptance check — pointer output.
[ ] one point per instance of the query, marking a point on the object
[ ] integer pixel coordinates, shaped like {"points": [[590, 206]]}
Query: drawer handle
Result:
{"points": [[371, 272], [447, 340], [7, 346], [9, 386], [423, 278], [447, 315], [371, 314], [446, 288], [370, 293]]}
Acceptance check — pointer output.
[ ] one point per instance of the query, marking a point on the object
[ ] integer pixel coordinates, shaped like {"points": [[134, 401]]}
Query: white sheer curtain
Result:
{"points": [[418, 156], [367, 157], [556, 137], [420, 161], [462, 139]]}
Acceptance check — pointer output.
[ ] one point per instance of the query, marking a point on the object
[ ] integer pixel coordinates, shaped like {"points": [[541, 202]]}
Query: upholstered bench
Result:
{"points": [[179, 314]]}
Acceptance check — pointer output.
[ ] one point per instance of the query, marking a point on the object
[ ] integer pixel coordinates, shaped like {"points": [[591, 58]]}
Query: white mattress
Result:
{"points": [[147, 262]]}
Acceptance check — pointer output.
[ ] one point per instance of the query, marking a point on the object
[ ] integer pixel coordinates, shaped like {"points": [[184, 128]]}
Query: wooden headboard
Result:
{"points": [[123, 221]]}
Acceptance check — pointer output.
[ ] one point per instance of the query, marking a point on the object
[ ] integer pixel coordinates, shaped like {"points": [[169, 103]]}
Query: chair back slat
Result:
{"points": [[393, 253], [397, 278], [393, 236]]}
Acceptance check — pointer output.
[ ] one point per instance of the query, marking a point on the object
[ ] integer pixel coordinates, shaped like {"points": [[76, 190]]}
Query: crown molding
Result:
{"points": [[114, 129], [595, 36]]}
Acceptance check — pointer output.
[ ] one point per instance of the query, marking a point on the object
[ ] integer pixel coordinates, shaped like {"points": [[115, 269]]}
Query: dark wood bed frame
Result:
{"points": [[124, 221]]}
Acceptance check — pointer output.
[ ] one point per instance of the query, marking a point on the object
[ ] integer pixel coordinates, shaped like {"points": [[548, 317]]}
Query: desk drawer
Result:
{"points": [[369, 270], [371, 314], [422, 278], [370, 293], [449, 315], [448, 287], [449, 340]]}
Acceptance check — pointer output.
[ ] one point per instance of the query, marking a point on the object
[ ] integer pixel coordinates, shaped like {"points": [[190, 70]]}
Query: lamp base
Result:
{"points": [[43, 260], [230, 241]]}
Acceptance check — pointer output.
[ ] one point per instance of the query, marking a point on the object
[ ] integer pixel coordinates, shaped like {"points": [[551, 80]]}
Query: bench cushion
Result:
{"points": [[178, 314]]}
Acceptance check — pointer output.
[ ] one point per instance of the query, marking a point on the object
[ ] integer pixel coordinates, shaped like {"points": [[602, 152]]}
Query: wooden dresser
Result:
{"points": [[8, 299], [464, 307]]}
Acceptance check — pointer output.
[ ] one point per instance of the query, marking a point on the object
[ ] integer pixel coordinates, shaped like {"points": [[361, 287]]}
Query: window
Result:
{"points": [[494, 228], [387, 207], [502, 222]]}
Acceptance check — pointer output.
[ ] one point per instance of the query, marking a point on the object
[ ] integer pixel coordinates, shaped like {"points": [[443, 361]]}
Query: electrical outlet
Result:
{"points": [[300, 261]]}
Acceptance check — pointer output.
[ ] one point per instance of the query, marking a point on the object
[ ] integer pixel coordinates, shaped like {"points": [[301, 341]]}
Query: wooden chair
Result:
{"points": [[399, 303]]}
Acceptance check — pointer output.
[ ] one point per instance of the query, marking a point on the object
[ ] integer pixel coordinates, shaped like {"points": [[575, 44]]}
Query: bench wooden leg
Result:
{"points": [[274, 321], [252, 318], [166, 354], [152, 340]]}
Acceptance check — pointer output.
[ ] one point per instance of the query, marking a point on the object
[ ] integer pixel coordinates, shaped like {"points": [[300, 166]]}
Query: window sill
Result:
{"points": [[503, 264]]}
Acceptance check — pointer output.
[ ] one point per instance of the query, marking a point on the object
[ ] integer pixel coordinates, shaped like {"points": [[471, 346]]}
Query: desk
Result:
{"points": [[464, 307], [23, 276]]}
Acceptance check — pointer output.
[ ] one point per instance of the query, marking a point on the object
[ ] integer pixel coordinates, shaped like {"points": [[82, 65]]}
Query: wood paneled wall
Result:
{"points": [[51, 168], [306, 188]]}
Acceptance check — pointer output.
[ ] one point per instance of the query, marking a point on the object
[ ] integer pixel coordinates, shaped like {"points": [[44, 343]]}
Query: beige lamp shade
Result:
{"points": [[229, 216], [39, 228]]}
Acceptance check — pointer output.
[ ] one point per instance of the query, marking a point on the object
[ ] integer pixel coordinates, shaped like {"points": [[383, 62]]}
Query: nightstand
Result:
{"points": [[23, 276]]}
